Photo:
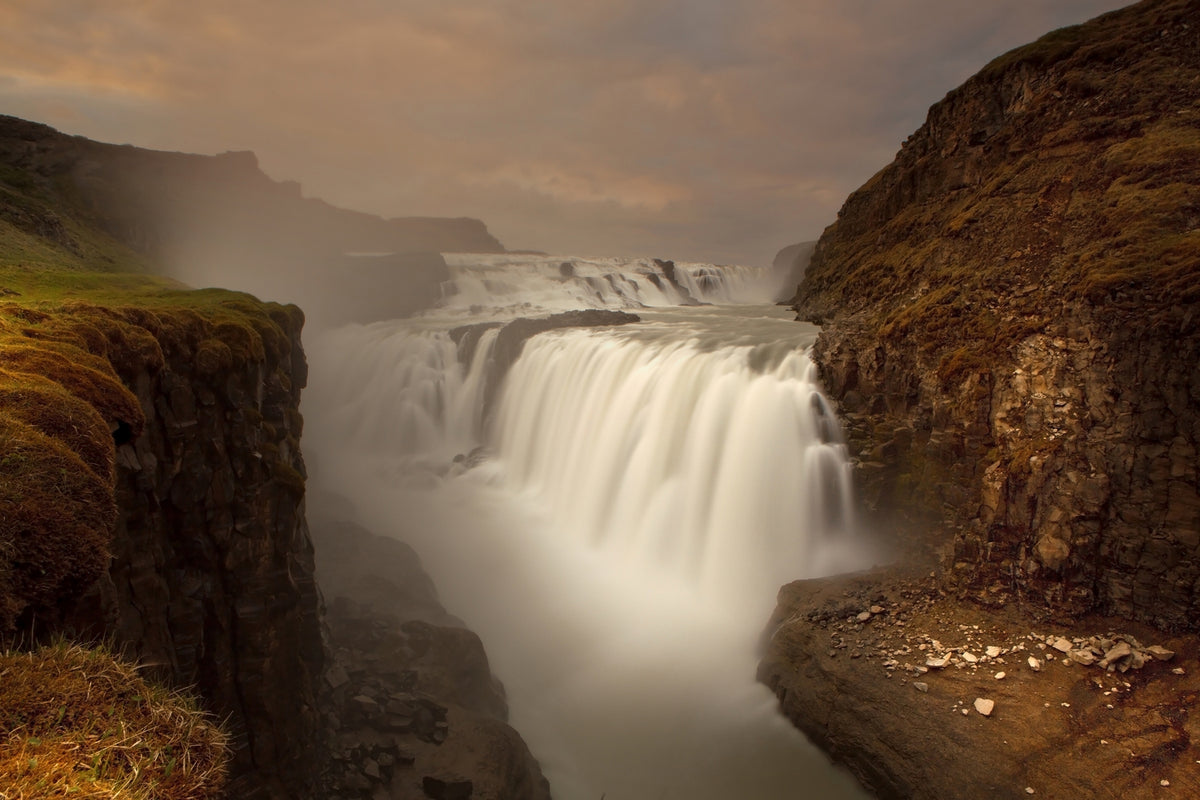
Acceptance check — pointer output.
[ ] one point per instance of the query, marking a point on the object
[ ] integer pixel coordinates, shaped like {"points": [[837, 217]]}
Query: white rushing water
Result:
{"points": [[640, 494]]}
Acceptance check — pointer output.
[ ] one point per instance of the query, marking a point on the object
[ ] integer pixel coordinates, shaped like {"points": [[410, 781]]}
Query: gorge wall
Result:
{"points": [[153, 493], [1011, 324], [220, 221], [207, 580]]}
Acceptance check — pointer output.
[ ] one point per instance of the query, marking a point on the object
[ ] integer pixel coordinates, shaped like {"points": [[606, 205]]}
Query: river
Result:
{"points": [[615, 517]]}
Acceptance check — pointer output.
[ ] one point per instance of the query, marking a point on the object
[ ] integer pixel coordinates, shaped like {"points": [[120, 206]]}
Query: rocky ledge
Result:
{"points": [[410, 708], [921, 696]]}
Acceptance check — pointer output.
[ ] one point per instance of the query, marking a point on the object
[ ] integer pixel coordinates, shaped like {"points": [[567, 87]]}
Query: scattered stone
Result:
{"points": [[1029, 790], [937, 663], [921, 686], [999, 676], [336, 677], [1178, 671], [365, 705], [1035, 664], [1084, 657], [864, 616], [1164, 782], [876, 609], [970, 657], [993, 651], [1062, 645], [1118, 651], [1161, 653], [984, 706]]}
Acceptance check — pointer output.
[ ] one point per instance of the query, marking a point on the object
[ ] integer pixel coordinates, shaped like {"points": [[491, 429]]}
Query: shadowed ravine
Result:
{"points": [[616, 524]]}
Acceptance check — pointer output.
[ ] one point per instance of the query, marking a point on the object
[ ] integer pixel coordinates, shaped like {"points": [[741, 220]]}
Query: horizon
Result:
{"points": [[688, 132]]}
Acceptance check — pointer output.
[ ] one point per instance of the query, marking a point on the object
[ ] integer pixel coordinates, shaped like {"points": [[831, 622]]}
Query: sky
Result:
{"points": [[695, 130]]}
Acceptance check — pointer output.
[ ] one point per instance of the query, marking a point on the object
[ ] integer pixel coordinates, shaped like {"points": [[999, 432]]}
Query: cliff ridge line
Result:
{"points": [[1012, 326]]}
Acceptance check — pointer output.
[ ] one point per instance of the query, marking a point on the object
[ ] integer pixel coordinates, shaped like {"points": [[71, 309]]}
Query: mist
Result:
{"points": [[615, 518]]}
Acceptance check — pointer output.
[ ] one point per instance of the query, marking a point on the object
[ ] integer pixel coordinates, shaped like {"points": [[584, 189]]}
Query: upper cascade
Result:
{"points": [[524, 285]]}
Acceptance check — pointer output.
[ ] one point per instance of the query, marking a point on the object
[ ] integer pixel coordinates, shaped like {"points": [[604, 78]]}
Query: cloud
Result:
{"points": [[692, 129]]}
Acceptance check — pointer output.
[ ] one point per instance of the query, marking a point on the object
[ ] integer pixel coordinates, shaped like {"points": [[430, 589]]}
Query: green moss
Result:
{"points": [[288, 476], [100, 389], [56, 517], [61, 349], [1053, 47], [50, 409]]}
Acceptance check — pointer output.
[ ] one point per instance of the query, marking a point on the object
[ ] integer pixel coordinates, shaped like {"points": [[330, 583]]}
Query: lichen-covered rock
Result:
{"points": [[1012, 320]]}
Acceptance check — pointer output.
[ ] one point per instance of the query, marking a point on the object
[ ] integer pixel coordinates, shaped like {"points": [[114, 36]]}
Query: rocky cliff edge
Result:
{"points": [[1011, 323]]}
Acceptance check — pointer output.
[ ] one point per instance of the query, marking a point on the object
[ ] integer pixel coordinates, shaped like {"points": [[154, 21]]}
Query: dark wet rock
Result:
{"points": [[440, 789], [419, 702], [668, 270], [211, 581]]}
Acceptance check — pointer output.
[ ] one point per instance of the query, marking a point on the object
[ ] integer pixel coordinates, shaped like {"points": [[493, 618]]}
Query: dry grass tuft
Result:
{"points": [[76, 722]]}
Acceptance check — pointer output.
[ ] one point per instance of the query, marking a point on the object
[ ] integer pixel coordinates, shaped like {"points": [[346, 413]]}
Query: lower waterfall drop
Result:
{"points": [[634, 500]]}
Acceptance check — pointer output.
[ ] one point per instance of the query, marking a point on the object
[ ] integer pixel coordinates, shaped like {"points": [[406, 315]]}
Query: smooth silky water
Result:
{"points": [[617, 524]]}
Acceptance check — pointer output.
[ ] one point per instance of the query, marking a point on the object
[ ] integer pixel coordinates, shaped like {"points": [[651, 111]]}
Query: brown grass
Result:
{"points": [[56, 519], [76, 722]]}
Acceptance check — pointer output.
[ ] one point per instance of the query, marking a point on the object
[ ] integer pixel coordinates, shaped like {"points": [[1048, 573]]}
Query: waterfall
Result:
{"points": [[716, 470], [525, 285], [632, 500]]}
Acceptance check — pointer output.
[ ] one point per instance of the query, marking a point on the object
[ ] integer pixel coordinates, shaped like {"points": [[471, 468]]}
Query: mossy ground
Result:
{"points": [[62, 401], [82, 319], [78, 722], [80, 315]]}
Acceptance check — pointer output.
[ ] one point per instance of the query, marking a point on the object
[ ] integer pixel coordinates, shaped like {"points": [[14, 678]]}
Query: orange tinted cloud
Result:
{"points": [[690, 129]]}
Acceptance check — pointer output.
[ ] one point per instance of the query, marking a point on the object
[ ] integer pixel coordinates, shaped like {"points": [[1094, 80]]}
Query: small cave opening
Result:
{"points": [[122, 433]]}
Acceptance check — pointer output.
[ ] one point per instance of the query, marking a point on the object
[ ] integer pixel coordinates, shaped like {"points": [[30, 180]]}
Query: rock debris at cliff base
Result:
{"points": [[1003, 697]]}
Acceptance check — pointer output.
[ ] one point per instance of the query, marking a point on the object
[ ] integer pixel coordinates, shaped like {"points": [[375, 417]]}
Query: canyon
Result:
{"points": [[1007, 333]]}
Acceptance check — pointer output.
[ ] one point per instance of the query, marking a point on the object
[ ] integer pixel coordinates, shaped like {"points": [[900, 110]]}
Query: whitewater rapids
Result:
{"points": [[615, 525]]}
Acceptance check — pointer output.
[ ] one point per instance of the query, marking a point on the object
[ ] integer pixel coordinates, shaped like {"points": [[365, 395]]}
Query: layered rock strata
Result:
{"points": [[1012, 330]]}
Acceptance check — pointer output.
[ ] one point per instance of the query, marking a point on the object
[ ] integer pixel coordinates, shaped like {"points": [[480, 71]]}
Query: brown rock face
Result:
{"points": [[211, 581], [1012, 320], [410, 704], [923, 697]]}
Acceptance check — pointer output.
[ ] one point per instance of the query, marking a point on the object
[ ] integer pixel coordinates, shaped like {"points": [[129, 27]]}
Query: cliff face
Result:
{"points": [[152, 495], [1012, 333], [411, 705], [211, 582], [158, 201], [217, 221]]}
